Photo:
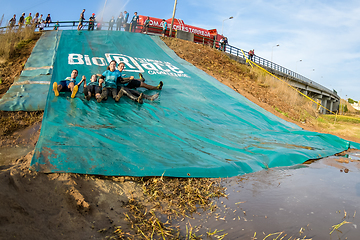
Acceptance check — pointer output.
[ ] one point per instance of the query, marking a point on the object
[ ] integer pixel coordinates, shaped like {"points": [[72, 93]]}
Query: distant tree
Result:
{"points": [[351, 101]]}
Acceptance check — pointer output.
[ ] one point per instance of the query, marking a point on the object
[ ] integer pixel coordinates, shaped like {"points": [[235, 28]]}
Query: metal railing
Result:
{"points": [[271, 65]]}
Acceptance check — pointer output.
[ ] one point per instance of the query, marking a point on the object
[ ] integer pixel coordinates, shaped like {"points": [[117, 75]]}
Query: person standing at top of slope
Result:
{"points": [[48, 20], [111, 23], [126, 17], [28, 20], [12, 21], [21, 20], [146, 25], [134, 22], [91, 22], [119, 22], [164, 27], [81, 20], [68, 85]]}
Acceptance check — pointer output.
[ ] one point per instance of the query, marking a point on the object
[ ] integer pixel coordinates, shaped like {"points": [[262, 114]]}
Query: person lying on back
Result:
{"points": [[133, 83]]}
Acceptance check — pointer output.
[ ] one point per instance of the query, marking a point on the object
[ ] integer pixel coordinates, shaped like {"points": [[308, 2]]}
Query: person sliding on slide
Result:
{"points": [[68, 85], [110, 79]]}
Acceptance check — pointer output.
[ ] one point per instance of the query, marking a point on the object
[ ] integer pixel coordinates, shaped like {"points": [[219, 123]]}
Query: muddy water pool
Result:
{"points": [[305, 200]]}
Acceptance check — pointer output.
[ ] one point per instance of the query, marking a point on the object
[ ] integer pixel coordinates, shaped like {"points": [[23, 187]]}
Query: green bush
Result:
{"points": [[351, 101]]}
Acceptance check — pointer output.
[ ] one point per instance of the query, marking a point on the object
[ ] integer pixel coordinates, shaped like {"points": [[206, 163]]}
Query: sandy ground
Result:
{"points": [[58, 206]]}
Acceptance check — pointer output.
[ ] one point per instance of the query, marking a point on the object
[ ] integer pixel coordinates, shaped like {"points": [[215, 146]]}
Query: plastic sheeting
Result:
{"points": [[197, 128], [29, 91]]}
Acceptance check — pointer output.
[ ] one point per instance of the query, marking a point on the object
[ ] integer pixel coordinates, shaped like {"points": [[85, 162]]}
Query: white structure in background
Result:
{"points": [[356, 106]]}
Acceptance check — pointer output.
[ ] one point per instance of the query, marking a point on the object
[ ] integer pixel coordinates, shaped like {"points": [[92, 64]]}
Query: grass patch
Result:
{"points": [[342, 118], [13, 40], [12, 121]]}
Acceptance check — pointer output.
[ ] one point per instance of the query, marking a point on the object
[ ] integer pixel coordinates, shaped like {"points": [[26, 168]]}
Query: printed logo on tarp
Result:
{"points": [[153, 67]]}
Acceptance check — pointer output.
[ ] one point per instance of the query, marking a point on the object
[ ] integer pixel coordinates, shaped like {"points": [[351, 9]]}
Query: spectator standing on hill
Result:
{"points": [[134, 22], [111, 23], [125, 23], [40, 19], [225, 43], [56, 26], [126, 17], [35, 20], [12, 21], [28, 20], [164, 27], [48, 20], [251, 54], [41, 25], [91, 22], [119, 22], [146, 25], [221, 47], [21, 20], [82, 18]]}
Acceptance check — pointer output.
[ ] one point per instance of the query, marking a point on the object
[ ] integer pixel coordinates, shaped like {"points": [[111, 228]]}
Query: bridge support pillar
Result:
{"points": [[324, 103], [331, 105]]}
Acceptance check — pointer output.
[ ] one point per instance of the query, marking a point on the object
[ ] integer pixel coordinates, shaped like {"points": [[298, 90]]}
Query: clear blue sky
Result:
{"points": [[323, 34]]}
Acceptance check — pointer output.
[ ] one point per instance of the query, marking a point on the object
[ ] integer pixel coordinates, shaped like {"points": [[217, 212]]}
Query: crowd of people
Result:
{"points": [[110, 83], [122, 22], [38, 21]]}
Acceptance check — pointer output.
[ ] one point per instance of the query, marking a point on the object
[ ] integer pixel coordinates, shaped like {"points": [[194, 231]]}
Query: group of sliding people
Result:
{"points": [[110, 83]]}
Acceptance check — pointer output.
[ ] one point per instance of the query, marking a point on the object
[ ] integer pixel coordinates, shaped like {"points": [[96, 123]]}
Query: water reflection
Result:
{"points": [[304, 200]]}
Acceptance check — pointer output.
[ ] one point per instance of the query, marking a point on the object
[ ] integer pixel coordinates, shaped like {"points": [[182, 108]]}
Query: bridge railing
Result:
{"points": [[271, 65]]}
